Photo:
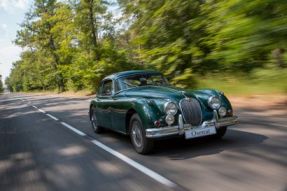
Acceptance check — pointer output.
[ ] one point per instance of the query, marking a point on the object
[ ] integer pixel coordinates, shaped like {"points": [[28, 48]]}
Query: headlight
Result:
{"points": [[222, 111], [214, 102], [169, 119], [170, 108]]}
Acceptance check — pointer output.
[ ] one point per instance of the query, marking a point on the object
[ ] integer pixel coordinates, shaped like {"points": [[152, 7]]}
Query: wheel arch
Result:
{"points": [[128, 117], [92, 105], [146, 113], [90, 109]]}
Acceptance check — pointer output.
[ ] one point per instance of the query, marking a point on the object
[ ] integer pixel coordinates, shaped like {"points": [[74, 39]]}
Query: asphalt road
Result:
{"points": [[46, 143]]}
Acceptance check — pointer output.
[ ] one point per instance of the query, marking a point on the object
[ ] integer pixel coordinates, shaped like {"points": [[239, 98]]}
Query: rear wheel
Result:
{"points": [[220, 132], [141, 144], [94, 124]]}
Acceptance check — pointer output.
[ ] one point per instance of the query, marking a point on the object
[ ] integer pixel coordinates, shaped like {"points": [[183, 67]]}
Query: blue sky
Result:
{"points": [[12, 13]]}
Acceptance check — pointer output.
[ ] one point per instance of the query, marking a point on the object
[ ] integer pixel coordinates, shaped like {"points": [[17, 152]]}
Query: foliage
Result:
{"points": [[1, 85], [73, 44], [68, 45], [187, 38], [246, 32]]}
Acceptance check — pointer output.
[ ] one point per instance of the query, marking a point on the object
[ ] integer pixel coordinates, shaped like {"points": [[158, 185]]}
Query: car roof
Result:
{"points": [[130, 72]]}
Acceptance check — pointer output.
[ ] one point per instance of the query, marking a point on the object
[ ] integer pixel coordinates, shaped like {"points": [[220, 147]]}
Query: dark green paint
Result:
{"points": [[148, 101]]}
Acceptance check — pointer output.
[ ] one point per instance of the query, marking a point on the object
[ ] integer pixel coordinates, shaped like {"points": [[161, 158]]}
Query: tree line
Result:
{"points": [[1, 84], [73, 44]]}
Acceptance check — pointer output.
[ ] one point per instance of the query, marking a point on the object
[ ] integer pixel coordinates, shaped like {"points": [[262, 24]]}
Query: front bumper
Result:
{"points": [[181, 127]]}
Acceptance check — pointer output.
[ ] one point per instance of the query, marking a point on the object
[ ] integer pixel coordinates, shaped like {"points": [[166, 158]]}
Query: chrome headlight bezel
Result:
{"points": [[214, 102], [170, 108]]}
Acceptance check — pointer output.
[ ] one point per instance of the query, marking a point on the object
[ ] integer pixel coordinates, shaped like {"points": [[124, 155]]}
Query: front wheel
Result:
{"points": [[141, 144], [94, 124]]}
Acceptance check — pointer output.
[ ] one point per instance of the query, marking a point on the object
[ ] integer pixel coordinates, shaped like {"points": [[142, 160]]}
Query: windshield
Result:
{"points": [[141, 80]]}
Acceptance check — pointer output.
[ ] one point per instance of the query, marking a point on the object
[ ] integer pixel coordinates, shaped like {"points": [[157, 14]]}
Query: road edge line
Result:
{"points": [[136, 165], [73, 129], [53, 117]]}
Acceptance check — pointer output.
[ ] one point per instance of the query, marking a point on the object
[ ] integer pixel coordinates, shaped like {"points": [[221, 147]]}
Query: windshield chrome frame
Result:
{"points": [[143, 74]]}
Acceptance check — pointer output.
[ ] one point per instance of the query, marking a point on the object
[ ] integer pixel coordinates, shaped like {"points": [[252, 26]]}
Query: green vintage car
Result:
{"points": [[143, 105]]}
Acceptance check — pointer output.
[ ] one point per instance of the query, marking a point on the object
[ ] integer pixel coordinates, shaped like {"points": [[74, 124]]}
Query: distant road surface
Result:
{"points": [[46, 143]]}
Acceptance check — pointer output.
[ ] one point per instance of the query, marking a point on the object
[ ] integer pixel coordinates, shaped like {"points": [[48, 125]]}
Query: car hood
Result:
{"points": [[167, 92], [158, 92]]}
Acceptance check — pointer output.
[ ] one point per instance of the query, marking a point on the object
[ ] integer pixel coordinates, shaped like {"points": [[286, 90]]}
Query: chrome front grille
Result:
{"points": [[191, 111]]}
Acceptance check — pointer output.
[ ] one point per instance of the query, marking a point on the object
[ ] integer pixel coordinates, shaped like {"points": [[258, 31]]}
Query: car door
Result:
{"points": [[104, 102], [119, 110]]}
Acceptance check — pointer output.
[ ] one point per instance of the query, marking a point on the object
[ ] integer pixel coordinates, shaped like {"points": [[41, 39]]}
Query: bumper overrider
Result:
{"points": [[181, 127]]}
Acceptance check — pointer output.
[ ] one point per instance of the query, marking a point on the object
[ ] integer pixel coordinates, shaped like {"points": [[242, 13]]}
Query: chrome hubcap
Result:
{"points": [[94, 120], [136, 134]]}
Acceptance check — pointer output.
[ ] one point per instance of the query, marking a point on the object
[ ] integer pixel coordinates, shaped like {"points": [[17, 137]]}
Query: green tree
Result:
{"points": [[242, 34], [68, 44], [168, 37], [73, 44], [1, 84], [46, 31], [194, 36]]}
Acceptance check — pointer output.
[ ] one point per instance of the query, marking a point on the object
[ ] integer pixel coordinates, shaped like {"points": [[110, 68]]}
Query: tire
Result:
{"points": [[93, 119], [220, 132], [141, 144]]}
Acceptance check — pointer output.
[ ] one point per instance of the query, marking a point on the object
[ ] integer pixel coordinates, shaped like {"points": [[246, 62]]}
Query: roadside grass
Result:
{"points": [[68, 93], [260, 82]]}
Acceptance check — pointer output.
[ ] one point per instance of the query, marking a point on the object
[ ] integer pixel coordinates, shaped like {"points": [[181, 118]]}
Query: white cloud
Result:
{"points": [[11, 5], [4, 26], [3, 30], [9, 53]]}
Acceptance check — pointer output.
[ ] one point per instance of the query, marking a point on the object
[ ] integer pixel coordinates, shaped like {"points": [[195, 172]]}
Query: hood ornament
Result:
{"points": [[185, 96]]}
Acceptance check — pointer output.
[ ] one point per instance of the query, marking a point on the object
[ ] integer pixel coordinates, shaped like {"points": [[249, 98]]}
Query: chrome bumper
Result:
{"points": [[181, 127]]}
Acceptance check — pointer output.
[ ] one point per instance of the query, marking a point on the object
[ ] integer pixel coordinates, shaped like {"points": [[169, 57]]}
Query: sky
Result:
{"points": [[12, 14]]}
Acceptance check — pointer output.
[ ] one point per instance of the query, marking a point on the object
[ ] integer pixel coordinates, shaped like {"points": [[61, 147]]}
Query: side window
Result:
{"points": [[117, 86], [107, 88]]}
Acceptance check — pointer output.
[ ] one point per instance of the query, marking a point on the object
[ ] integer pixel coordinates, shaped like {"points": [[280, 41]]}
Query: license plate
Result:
{"points": [[199, 132]]}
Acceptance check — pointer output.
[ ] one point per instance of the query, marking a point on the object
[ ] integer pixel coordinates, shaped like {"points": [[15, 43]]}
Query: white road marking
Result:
{"points": [[51, 116], [152, 174], [279, 125], [136, 165], [73, 129], [42, 111]]}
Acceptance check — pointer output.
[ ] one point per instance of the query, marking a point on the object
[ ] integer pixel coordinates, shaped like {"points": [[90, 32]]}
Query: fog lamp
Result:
{"points": [[169, 119], [222, 111]]}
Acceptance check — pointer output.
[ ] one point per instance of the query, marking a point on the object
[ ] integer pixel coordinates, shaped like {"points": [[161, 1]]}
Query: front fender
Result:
{"points": [[148, 112]]}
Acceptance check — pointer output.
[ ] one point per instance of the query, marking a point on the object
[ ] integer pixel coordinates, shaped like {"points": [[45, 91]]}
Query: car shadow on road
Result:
{"points": [[181, 149]]}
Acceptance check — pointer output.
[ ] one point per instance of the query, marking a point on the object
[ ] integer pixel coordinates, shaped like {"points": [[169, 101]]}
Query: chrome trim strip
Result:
{"points": [[181, 128], [179, 105], [215, 115], [180, 125], [227, 121]]}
